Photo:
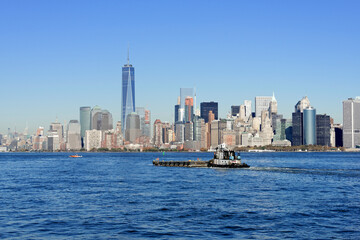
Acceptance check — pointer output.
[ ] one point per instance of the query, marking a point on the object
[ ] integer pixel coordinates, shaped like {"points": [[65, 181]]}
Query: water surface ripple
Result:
{"points": [[123, 196]]}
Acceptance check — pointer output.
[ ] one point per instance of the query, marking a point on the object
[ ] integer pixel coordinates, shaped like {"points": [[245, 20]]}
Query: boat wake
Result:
{"points": [[316, 171]]}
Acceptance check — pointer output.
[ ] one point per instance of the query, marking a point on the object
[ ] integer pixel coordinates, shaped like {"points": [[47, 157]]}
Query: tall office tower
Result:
{"points": [[95, 120], [179, 132], [283, 130], [205, 107], [214, 133], [93, 139], [53, 141], [128, 91], [302, 104], [309, 126], [242, 112], [189, 131], [217, 129], [158, 133], [165, 132], [351, 122], [59, 129], [197, 124], [189, 109], [298, 121], [235, 110], [323, 127], [247, 104], [106, 120], [176, 116], [73, 135], [132, 130], [85, 115], [297, 128], [101, 119], [273, 105], [338, 135], [274, 120], [262, 103]]}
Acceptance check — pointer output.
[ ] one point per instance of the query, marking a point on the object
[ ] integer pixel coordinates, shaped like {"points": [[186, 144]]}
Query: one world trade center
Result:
{"points": [[128, 92]]}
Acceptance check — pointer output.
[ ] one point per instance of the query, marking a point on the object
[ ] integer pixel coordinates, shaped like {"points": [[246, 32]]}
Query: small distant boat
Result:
{"points": [[75, 156]]}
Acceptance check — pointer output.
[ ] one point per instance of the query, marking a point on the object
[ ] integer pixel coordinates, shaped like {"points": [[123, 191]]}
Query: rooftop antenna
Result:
{"points": [[128, 55]]}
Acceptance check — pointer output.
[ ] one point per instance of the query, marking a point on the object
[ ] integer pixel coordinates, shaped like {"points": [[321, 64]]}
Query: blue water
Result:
{"points": [[123, 196]]}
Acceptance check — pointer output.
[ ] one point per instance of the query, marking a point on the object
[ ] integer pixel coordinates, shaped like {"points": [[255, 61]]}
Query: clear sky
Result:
{"points": [[56, 56]]}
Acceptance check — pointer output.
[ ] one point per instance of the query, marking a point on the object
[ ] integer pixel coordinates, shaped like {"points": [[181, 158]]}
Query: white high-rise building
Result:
{"points": [[73, 141], [247, 104], [351, 122], [261, 104], [92, 139]]}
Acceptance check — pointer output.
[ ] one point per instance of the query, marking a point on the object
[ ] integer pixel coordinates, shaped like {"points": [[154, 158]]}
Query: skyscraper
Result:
{"points": [[247, 104], [262, 103], [84, 120], [132, 132], [323, 127], [128, 92], [351, 122], [73, 135], [101, 119], [205, 107], [189, 109], [95, 120], [298, 121], [309, 126], [235, 110]]}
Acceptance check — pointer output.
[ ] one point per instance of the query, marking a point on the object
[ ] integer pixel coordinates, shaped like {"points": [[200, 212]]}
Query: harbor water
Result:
{"points": [[123, 196]]}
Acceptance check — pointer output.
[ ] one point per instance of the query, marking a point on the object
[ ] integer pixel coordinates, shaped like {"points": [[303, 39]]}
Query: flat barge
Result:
{"points": [[223, 158]]}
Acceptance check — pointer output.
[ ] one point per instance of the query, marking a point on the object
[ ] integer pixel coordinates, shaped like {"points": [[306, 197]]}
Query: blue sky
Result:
{"points": [[56, 56]]}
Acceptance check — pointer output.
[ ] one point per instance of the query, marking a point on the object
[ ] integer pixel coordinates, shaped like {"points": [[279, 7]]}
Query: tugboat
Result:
{"points": [[225, 158]]}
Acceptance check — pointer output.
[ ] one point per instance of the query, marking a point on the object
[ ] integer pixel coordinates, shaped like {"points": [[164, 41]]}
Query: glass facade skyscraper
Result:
{"points": [[85, 113], [309, 126], [128, 92], [205, 107]]}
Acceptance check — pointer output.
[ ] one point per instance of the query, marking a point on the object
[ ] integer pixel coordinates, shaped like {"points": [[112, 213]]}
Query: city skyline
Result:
{"points": [[53, 65]]}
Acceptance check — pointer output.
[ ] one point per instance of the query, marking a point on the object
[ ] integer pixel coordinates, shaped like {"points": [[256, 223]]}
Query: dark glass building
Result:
{"points": [[205, 107], [297, 128], [235, 110], [177, 106], [128, 92], [338, 137], [323, 126]]}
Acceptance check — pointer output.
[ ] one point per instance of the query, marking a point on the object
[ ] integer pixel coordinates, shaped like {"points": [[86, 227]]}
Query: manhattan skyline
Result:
{"points": [[57, 57]]}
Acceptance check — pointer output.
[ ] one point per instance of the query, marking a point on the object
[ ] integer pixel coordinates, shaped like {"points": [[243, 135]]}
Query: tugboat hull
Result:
{"points": [[232, 165]]}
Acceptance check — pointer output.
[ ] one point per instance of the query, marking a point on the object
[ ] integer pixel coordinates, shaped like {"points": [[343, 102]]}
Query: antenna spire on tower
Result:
{"points": [[128, 54]]}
